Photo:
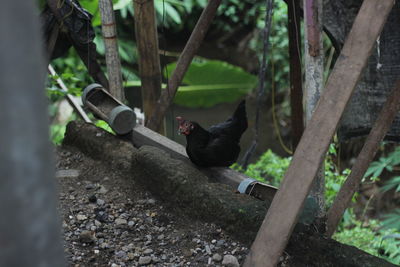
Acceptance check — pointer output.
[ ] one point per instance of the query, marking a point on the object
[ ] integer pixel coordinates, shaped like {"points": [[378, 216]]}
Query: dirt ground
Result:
{"points": [[111, 221]]}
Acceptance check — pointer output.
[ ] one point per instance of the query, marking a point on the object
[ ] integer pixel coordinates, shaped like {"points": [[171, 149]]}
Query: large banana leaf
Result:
{"points": [[211, 82]]}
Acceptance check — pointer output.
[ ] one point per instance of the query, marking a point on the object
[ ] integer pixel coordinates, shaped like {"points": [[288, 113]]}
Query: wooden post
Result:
{"points": [[381, 127], [113, 62], [149, 59], [314, 82], [183, 63], [30, 229], [282, 215], [296, 86]]}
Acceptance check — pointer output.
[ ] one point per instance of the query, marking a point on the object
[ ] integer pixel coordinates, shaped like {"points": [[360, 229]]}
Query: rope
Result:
{"points": [[261, 77]]}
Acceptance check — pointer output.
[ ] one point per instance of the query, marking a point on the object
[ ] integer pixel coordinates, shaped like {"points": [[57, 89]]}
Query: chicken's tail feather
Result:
{"points": [[241, 116]]}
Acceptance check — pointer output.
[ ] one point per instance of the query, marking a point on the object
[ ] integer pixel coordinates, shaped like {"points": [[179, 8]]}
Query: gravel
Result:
{"points": [[110, 221]]}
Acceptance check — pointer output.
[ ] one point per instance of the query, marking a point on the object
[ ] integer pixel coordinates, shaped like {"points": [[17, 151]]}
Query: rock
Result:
{"points": [[86, 237], [120, 221], [216, 257], [67, 173], [131, 255], [151, 201], [81, 217], [121, 254], [230, 261], [208, 250], [147, 251], [100, 202], [89, 186], [160, 237], [102, 190], [93, 198], [220, 242], [144, 260]]}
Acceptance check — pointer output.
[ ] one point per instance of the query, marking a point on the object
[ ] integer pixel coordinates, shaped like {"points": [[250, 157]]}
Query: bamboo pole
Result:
{"points": [[113, 62], [184, 61], [149, 59], [70, 99], [381, 127]]}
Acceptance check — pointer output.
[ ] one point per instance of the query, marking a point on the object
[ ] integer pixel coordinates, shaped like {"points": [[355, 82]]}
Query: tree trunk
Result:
{"points": [[314, 77], [29, 226]]}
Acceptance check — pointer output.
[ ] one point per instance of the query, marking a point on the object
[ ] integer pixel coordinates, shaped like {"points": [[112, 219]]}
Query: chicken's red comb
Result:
{"points": [[180, 119]]}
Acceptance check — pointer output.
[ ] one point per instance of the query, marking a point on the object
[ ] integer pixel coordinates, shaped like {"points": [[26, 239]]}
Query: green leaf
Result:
{"points": [[212, 82]]}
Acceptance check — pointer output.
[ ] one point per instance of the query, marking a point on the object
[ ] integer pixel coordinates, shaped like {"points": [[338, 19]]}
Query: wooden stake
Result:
{"points": [[184, 61], [149, 59], [381, 127], [288, 202], [296, 90], [112, 56], [69, 97]]}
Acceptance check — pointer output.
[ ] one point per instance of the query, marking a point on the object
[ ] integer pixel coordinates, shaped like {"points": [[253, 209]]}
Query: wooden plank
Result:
{"points": [[113, 62], [183, 63], [288, 202], [144, 136], [381, 127], [149, 59]]}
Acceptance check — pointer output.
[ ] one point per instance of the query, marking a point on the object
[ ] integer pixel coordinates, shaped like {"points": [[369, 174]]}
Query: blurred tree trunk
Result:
{"points": [[29, 229]]}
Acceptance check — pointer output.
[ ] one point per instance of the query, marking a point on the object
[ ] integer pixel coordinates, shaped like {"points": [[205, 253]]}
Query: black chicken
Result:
{"points": [[217, 146]]}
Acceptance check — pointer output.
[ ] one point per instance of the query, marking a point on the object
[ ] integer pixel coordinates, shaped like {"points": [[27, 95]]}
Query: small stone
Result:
{"points": [[93, 198], [208, 250], [144, 260], [213, 241], [220, 242], [81, 217], [151, 201], [96, 251], [160, 237], [147, 251], [104, 245], [100, 202], [230, 261], [97, 223], [131, 255], [120, 221], [89, 186], [121, 254], [86, 237], [131, 223], [102, 190], [216, 257]]}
